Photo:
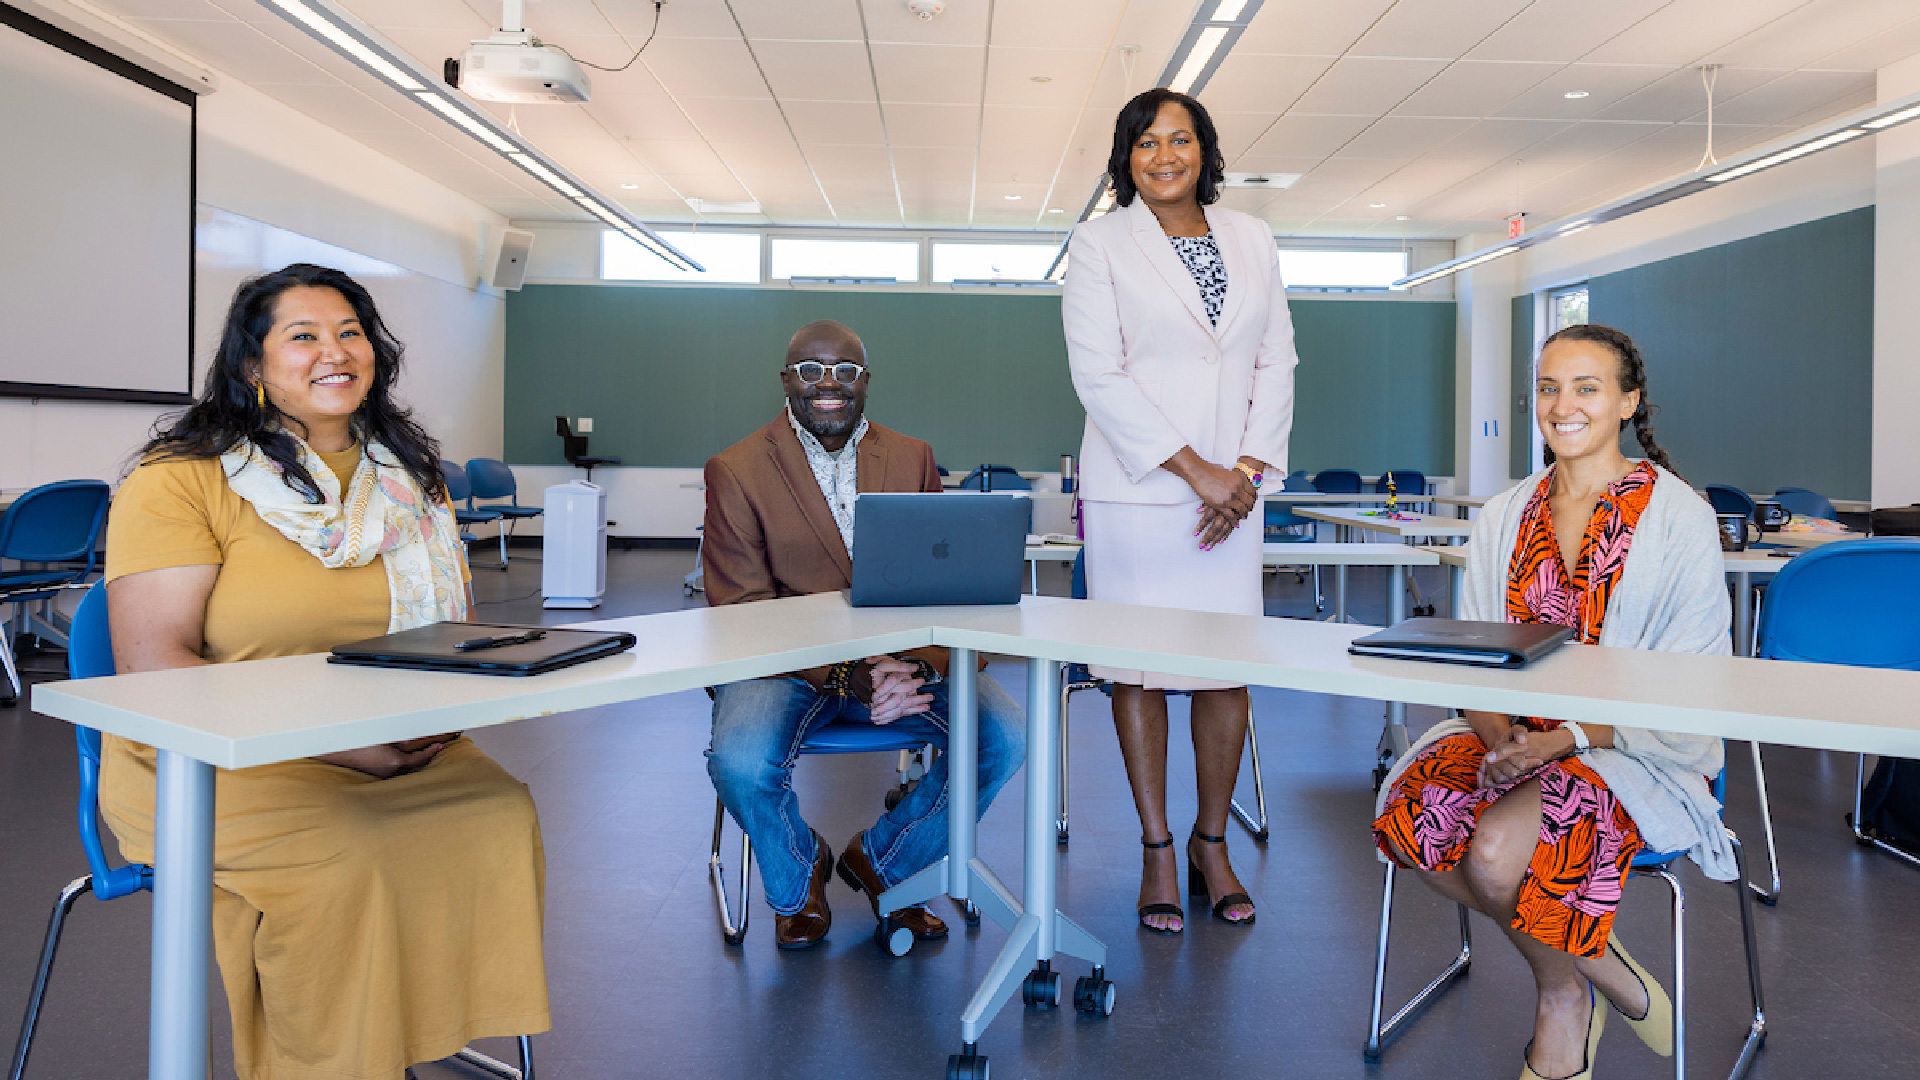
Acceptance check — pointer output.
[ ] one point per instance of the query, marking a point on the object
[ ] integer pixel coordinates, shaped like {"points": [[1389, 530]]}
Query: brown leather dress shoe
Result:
{"points": [[857, 871], [808, 926]]}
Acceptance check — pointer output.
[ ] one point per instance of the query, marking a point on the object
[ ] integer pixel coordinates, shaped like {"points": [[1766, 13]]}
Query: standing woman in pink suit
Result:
{"points": [[1181, 349]]}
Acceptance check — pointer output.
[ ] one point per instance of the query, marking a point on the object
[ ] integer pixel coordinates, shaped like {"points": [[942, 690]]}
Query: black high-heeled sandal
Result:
{"points": [[1197, 886], [1161, 909]]}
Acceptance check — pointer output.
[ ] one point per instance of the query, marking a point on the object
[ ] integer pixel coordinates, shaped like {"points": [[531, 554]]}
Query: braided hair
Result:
{"points": [[1633, 376]]}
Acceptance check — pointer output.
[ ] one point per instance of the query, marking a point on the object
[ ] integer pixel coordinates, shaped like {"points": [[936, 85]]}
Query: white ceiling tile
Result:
{"points": [[1873, 53], [737, 119], [1398, 138], [929, 74], [1436, 28], [1297, 135], [1682, 95], [1563, 30], [1309, 27], [385, 15], [951, 126], [824, 20], [816, 70], [1604, 84], [708, 67], [1367, 86], [652, 116], [238, 50], [1689, 31], [1049, 24], [1256, 83], [837, 123], [1011, 71], [1589, 141], [960, 24], [162, 9], [1474, 88], [1798, 94], [1809, 33], [1498, 137]]}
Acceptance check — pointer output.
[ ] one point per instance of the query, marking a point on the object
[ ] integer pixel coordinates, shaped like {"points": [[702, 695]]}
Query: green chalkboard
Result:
{"points": [[672, 376], [1520, 390], [1759, 355]]}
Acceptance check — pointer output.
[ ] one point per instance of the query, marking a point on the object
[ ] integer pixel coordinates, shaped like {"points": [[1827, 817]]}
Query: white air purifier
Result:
{"points": [[573, 554]]}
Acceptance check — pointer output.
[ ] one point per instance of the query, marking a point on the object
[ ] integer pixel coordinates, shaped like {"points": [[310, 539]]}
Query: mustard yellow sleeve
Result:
{"points": [[161, 517]]}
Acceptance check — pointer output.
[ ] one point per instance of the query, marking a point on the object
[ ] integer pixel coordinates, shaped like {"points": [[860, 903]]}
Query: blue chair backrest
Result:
{"points": [[1005, 478], [1337, 482], [459, 489], [1079, 588], [1806, 503], [90, 656], [1648, 858], [57, 522], [1729, 500], [1280, 515], [1848, 602], [489, 478], [1297, 481], [1405, 482]]}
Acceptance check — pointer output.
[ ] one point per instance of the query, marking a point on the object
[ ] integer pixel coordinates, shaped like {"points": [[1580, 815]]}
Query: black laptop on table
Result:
{"points": [[483, 648], [1458, 641], [913, 549]]}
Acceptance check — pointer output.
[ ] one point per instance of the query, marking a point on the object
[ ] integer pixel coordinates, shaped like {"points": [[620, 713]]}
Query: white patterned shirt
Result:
{"points": [[837, 474]]}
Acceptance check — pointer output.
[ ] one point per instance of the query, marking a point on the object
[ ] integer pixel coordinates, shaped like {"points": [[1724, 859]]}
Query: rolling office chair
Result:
{"points": [[1283, 526], [833, 738], [460, 490], [492, 479], [1848, 602], [1731, 500], [1645, 864], [1337, 482], [1076, 677], [1806, 503], [995, 478], [56, 523], [90, 656], [574, 449]]}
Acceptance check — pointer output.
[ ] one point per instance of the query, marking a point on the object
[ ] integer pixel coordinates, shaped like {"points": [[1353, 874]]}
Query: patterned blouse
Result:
{"points": [[1202, 256], [1540, 587]]}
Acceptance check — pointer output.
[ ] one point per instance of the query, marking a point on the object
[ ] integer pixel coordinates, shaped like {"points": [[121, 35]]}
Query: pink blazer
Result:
{"points": [[1153, 374]]}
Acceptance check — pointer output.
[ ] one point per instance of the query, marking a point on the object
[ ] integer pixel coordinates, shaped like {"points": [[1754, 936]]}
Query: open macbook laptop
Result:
{"points": [[913, 549]]}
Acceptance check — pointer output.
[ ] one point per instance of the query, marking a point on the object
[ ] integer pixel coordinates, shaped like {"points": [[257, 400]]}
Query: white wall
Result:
{"points": [[1896, 285], [280, 185], [1484, 329]]}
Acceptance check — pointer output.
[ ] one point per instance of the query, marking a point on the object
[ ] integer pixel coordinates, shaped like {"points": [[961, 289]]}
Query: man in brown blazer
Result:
{"points": [[780, 523]]}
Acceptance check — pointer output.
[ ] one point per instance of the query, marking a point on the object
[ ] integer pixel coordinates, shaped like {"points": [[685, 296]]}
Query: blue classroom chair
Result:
{"points": [[836, 737], [995, 478], [1409, 484], [1645, 864], [492, 479], [1076, 677], [1731, 500], [1337, 482], [1806, 503], [90, 656], [1848, 602], [460, 490], [57, 524]]}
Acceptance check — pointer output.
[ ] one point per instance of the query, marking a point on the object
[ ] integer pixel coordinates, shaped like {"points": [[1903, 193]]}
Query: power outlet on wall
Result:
{"points": [[584, 425]]}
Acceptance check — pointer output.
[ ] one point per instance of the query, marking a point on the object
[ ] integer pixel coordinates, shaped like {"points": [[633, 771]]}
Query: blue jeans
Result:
{"points": [[758, 726]]}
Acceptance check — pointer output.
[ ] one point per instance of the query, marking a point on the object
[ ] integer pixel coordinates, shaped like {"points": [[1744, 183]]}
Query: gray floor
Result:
{"points": [[644, 986]]}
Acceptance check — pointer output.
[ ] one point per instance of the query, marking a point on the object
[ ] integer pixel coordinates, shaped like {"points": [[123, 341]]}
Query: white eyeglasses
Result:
{"points": [[810, 372]]}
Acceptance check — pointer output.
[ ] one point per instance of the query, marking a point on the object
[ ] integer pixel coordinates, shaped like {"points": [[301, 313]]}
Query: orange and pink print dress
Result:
{"points": [[1587, 840]]}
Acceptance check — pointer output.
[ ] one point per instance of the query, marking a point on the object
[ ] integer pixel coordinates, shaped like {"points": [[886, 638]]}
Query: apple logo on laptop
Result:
{"points": [[940, 550]]}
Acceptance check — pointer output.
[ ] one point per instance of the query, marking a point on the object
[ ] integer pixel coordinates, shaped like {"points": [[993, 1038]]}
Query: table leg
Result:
{"points": [[1340, 593], [1396, 613], [1456, 581], [950, 874], [1742, 613], [177, 1038]]}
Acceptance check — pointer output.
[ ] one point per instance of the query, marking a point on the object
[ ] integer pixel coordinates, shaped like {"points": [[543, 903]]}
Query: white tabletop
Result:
{"points": [[262, 711], [1750, 562], [1421, 525], [1807, 539], [1305, 554]]}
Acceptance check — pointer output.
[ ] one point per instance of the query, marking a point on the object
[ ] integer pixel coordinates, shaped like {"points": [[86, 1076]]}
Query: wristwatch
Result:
{"points": [[1580, 743], [1252, 474]]}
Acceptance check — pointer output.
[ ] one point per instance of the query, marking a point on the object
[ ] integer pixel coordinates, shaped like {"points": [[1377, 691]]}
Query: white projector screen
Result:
{"points": [[96, 222]]}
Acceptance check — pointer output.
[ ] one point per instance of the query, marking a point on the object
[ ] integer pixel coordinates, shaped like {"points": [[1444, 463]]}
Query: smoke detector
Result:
{"points": [[926, 9]]}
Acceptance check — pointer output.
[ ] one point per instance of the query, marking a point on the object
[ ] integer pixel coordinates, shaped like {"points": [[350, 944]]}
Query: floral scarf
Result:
{"points": [[383, 514]]}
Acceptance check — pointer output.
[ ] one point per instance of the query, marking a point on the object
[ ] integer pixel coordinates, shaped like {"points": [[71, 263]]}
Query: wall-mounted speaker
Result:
{"points": [[506, 265]]}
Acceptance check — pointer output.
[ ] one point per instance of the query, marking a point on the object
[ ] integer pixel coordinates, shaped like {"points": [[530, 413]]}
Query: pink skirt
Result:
{"points": [[1142, 553]]}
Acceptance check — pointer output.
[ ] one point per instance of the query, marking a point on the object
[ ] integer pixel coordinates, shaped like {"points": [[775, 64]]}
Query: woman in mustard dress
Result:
{"points": [[373, 908]]}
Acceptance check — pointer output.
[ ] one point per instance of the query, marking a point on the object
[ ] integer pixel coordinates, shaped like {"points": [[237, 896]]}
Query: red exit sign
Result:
{"points": [[1516, 225]]}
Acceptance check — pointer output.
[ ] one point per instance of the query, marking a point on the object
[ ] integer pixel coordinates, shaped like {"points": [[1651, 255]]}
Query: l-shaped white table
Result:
{"points": [[213, 717]]}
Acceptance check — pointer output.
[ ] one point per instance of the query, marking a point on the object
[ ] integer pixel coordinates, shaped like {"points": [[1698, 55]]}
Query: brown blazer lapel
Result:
{"points": [[873, 466], [791, 459]]}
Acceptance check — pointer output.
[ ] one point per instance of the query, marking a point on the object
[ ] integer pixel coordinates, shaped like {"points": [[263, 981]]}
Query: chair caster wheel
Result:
{"points": [[734, 939], [1041, 989], [893, 938], [1094, 994], [966, 1066], [1060, 836], [1263, 836], [970, 914]]}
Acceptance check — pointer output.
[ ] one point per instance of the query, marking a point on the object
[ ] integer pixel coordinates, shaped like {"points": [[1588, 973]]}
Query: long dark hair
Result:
{"points": [[1134, 120], [228, 411], [1633, 376]]}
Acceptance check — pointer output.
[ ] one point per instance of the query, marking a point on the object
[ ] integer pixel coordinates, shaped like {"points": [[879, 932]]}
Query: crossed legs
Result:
{"points": [[1219, 736], [1488, 881]]}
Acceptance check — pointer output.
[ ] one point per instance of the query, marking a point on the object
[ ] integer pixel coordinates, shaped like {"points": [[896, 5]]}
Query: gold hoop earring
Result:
{"points": [[260, 392]]}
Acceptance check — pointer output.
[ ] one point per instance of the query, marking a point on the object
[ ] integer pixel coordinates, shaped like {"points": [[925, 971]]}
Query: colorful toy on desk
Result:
{"points": [[1392, 512]]}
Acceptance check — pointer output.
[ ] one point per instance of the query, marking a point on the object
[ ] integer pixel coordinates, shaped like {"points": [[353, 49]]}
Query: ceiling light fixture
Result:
{"points": [[330, 24], [1010, 197], [1828, 135], [629, 187], [1574, 95], [1401, 217], [1377, 205], [1040, 78], [1056, 210], [1203, 46]]}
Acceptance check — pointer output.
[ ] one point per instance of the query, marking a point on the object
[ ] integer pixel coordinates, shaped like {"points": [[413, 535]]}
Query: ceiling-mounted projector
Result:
{"points": [[513, 67]]}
